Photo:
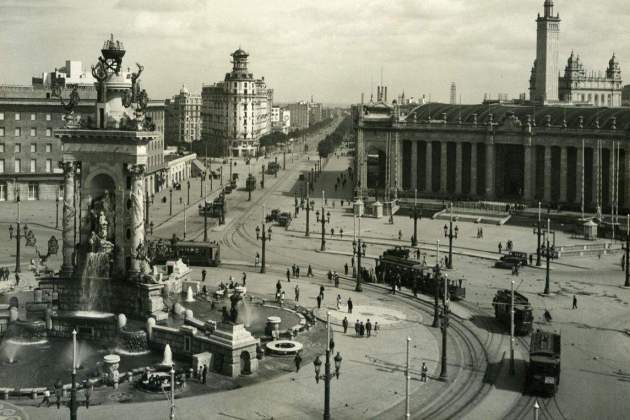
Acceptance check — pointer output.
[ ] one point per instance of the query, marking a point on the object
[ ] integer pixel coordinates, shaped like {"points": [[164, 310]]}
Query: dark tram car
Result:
{"points": [[523, 317], [543, 372]]}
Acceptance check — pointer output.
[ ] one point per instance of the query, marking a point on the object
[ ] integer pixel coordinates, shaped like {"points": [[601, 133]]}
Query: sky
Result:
{"points": [[330, 49]]}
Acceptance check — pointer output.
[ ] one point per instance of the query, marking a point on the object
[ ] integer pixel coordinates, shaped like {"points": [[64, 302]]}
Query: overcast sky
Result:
{"points": [[331, 49]]}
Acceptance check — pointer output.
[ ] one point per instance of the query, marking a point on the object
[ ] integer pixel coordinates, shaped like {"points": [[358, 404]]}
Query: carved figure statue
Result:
{"points": [[93, 241], [103, 225]]}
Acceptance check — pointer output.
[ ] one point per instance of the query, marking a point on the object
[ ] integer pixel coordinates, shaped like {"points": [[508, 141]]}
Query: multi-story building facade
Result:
{"points": [[315, 113], [72, 74], [300, 116], [565, 155], [576, 86], [29, 152], [236, 112], [183, 118]]}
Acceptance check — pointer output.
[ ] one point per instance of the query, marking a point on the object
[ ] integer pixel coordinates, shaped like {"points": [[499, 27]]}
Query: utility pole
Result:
{"points": [[57, 211], [436, 292], [407, 413], [538, 233], [549, 253], [170, 208], [415, 216], [205, 220], [188, 192], [449, 264], [443, 370], [18, 235], [308, 211]]}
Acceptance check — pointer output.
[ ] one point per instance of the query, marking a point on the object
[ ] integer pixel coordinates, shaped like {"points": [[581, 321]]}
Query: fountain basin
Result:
{"points": [[283, 347]]}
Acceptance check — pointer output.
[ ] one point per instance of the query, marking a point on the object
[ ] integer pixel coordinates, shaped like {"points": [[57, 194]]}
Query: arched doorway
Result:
{"points": [[376, 165], [246, 365]]}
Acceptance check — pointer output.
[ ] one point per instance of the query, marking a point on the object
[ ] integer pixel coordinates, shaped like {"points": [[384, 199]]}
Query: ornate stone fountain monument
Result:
{"points": [[107, 271]]}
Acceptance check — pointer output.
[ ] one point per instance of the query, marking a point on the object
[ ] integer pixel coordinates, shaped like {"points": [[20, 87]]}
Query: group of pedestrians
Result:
{"points": [[509, 246], [361, 329], [294, 271], [4, 273], [333, 276]]}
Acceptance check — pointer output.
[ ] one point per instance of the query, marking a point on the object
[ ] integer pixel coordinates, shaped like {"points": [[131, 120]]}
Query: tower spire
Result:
{"points": [[548, 8]]}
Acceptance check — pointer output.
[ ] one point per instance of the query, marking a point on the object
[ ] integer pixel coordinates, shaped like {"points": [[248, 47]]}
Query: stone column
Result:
{"points": [[414, 165], [443, 167], [473, 169], [490, 170], [428, 167], [528, 185], [67, 266], [563, 175], [547, 179], [579, 170], [135, 215], [458, 168]]}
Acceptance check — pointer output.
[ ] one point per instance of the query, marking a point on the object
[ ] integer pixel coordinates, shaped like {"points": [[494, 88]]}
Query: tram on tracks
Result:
{"points": [[523, 317], [543, 371], [205, 254], [395, 265]]}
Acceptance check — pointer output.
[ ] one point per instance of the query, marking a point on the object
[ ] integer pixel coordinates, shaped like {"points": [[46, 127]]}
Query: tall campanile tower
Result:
{"points": [[547, 46]]}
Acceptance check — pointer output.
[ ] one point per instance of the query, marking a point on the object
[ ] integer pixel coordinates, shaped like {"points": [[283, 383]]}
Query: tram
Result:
{"points": [[523, 317], [395, 264], [543, 371], [205, 254]]}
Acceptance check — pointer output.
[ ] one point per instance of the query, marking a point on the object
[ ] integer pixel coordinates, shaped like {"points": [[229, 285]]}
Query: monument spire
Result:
{"points": [[548, 8]]}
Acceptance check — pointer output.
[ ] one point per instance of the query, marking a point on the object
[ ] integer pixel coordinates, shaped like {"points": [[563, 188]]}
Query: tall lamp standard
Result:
{"points": [[450, 235], [407, 413], [512, 369], [358, 249], [188, 192], [170, 208], [205, 220], [323, 220], [57, 210], [328, 375], [308, 211], [201, 186], [627, 267], [264, 236], [74, 404], [538, 233], [549, 253], [444, 327], [436, 292], [146, 210], [415, 215], [18, 236]]}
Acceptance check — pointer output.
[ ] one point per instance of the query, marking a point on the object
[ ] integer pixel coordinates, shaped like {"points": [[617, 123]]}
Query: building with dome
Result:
{"points": [[183, 118], [576, 86], [236, 112]]}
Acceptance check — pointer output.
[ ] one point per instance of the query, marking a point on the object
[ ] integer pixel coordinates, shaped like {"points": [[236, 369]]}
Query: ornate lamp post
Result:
{"points": [[415, 215], [308, 211], [358, 249], [538, 233], [170, 209], [436, 292], [188, 192], [328, 375], [450, 239], [201, 185], [324, 220], [74, 404], [262, 181], [57, 210], [627, 265], [444, 328], [549, 253], [264, 236], [18, 236], [205, 220]]}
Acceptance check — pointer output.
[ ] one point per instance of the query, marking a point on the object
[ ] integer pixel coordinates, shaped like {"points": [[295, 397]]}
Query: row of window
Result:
{"points": [[33, 166], [18, 132], [33, 191], [17, 148], [33, 116]]}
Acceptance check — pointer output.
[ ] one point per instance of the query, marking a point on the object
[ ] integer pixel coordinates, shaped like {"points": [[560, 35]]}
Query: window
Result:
{"points": [[48, 147], [1, 166], [48, 165], [48, 117], [18, 165], [17, 116], [1, 131], [33, 117], [48, 132], [1, 115], [33, 132], [33, 148], [3, 191], [17, 148], [33, 165], [33, 191], [1, 147], [18, 132]]}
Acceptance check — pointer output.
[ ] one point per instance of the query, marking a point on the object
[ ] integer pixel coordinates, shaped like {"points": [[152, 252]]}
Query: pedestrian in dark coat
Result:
{"points": [[345, 268], [298, 361], [309, 273], [362, 329], [350, 305], [321, 291], [368, 328], [288, 275], [344, 324], [203, 275], [574, 302], [204, 374], [319, 301], [357, 327]]}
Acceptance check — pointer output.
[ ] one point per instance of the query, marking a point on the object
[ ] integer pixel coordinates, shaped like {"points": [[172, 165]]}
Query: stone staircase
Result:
{"points": [[581, 250], [474, 215]]}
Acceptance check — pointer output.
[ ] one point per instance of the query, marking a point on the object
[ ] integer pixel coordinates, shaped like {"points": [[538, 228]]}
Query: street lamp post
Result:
{"points": [[328, 375], [205, 220], [74, 404], [407, 413], [188, 192], [146, 210], [512, 369], [262, 182], [264, 236], [57, 211], [308, 211], [358, 249], [170, 208], [415, 216], [449, 264], [444, 327], [627, 267], [538, 233], [324, 219], [549, 253], [18, 236], [436, 292], [201, 185]]}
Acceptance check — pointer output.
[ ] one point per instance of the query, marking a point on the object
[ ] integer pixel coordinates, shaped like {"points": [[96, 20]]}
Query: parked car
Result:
{"points": [[507, 262]]}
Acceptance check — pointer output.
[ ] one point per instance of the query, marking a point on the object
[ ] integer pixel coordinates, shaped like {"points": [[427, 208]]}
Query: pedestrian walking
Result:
{"points": [[362, 329], [332, 232], [531, 259], [500, 247], [87, 392], [297, 271], [345, 268], [357, 327], [350, 305], [376, 328], [330, 276], [297, 293], [203, 275], [298, 361], [46, 399], [10, 231], [399, 235], [321, 291], [244, 279], [344, 324], [341, 203], [368, 327], [574, 302], [309, 273], [278, 286], [282, 298], [319, 301], [423, 372], [288, 275], [352, 261], [17, 279], [257, 260], [341, 233], [58, 388], [204, 374], [338, 302]]}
